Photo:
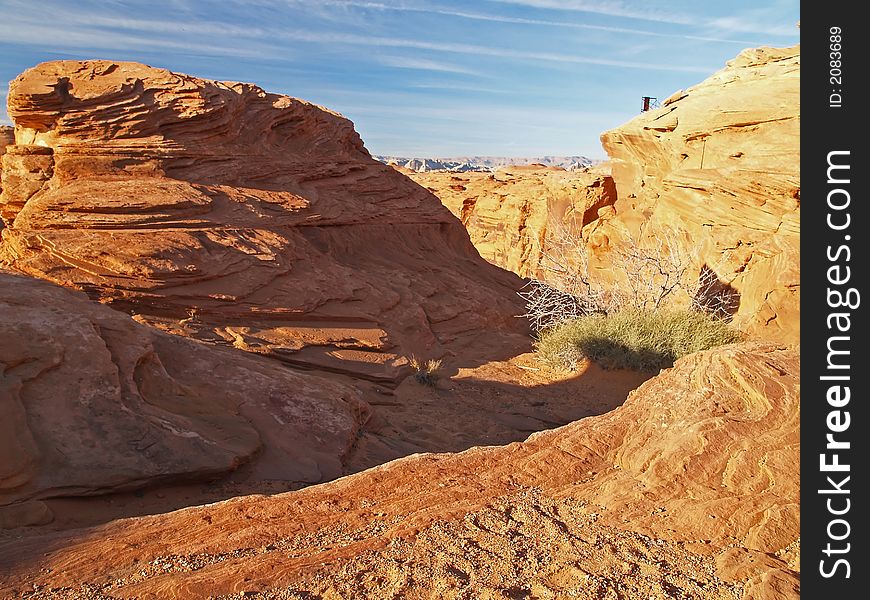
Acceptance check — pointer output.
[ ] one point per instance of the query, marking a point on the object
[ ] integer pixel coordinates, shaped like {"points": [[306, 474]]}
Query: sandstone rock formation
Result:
{"points": [[258, 220], [93, 402], [7, 137], [720, 162], [690, 489], [515, 215]]}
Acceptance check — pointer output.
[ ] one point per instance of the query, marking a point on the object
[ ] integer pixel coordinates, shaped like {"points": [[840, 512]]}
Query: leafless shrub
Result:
{"points": [[659, 273]]}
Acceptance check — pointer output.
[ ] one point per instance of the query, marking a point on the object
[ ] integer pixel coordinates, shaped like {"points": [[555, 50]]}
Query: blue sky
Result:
{"points": [[417, 77]]}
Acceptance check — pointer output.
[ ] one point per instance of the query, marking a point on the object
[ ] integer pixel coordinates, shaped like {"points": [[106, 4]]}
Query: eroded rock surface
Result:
{"points": [[259, 220], [689, 489], [93, 402], [7, 137], [515, 215], [720, 162]]}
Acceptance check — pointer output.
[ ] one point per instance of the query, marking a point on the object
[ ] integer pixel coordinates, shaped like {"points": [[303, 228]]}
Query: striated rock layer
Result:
{"points": [[258, 219], [7, 137], [516, 215], [93, 402], [720, 163], [690, 489]]}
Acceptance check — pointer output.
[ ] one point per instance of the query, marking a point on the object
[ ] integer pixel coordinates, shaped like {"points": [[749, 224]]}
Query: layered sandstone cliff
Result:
{"points": [[516, 215], [258, 219], [7, 137], [720, 162], [93, 403], [690, 489]]}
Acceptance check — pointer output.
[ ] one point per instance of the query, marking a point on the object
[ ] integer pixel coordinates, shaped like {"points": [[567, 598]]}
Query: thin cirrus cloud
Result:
{"points": [[425, 64], [495, 18], [477, 50], [610, 9], [729, 24], [438, 74], [88, 38]]}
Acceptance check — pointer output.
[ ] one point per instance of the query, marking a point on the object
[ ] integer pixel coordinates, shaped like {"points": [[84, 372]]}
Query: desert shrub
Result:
{"points": [[425, 373], [658, 274], [642, 340]]}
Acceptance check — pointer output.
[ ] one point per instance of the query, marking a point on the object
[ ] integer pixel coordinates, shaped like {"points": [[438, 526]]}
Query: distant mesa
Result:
{"points": [[464, 164]]}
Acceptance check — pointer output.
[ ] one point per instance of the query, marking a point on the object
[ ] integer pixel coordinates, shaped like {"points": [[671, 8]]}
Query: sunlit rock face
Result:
{"points": [[518, 215], [720, 162], [259, 219]]}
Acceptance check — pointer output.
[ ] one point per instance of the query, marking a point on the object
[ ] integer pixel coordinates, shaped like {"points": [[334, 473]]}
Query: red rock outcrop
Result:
{"points": [[717, 163], [689, 489], [258, 219], [515, 215], [720, 162], [93, 402], [7, 137]]}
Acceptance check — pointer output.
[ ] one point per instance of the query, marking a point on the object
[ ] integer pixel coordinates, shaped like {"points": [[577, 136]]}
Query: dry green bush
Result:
{"points": [[641, 340], [663, 308]]}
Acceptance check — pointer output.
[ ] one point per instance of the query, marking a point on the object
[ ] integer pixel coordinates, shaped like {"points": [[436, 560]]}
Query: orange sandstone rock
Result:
{"points": [[93, 402], [515, 215], [7, 137], [720, 162], [689, 489], [258, 219]]}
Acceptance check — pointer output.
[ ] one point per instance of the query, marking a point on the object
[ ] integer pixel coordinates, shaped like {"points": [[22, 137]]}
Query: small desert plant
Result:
{"points": [[641, 340], [657, 274], [425, 373]]}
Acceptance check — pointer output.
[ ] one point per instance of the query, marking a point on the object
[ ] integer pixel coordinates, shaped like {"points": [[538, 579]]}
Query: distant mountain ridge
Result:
{"points": [[484, 163]]}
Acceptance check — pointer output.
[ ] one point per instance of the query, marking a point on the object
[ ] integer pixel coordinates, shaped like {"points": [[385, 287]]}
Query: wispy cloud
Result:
{"points": [[477, 16], [743, 25], [458, 87], [424, 64], [477, 50], [728, 25], [82, 37], [609, 8]]}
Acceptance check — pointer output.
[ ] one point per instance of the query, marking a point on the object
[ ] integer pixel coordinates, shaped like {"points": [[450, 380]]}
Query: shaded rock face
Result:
{"points": [[7, 137], [662, 497], [259, 219], [93, 402], [515, 215], [720, 162]]}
